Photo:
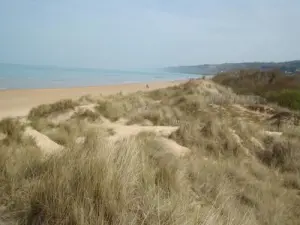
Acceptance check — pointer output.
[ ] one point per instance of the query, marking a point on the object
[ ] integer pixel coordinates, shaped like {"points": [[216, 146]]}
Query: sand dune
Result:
{"points": [[232, 163], [17, 103], [120, 131]]}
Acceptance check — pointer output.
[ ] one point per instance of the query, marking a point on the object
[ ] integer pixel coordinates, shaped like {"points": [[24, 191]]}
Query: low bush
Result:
{"points": [[286, 98], [274, 85]]}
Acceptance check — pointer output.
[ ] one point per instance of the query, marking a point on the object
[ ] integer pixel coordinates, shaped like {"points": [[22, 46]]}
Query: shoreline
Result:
{"points": [[18, 102]]}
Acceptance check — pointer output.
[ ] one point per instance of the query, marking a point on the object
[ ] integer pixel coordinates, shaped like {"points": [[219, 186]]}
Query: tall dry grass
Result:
{"points": [[11, 129], [130, 182]]}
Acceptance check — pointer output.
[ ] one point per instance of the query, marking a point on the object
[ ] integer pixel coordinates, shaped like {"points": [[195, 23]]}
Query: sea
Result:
{"points": [[15, 76]]}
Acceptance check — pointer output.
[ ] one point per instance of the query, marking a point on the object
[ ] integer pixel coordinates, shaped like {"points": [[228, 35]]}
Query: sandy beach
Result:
{"points": [[18, 102]]}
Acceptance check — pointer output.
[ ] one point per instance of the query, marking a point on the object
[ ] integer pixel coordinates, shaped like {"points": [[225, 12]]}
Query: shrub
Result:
{"points": [[273, 85], [286, 98]]}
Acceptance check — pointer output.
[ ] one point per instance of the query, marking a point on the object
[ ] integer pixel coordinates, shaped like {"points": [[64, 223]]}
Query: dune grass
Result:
{"points": [[117, 106], [86, 114], [135, 182], [44, 110], [11, 129], [234, 175], [42, 124]]}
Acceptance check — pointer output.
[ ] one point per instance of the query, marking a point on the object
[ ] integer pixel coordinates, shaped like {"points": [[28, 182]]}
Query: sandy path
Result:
{"points": [[19, 102]]}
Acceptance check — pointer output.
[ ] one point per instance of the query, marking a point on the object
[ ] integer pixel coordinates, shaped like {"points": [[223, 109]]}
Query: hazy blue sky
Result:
{"points": [[147, 33]]}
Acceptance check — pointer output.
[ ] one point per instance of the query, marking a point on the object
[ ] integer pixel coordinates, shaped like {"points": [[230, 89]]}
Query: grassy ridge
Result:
{"points": [[46, 110]]}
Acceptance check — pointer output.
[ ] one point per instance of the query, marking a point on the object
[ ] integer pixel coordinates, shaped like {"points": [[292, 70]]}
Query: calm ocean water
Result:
{"points": [[23, 76]]}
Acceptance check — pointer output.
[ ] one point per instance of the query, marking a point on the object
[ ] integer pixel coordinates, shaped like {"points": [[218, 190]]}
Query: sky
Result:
{"points": [[115, 34]]}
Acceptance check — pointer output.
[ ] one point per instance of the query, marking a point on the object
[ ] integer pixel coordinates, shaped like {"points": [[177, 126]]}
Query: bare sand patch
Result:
{"points": [[122, 131], [42, 141]]}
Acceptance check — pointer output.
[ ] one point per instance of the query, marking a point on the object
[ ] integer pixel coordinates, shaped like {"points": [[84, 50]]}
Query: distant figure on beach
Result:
{"points": [[147, 86]]}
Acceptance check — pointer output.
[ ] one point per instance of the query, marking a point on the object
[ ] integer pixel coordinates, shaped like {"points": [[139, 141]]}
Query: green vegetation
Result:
{"points": [[273, 85], [235, 173], [286, 98]]}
